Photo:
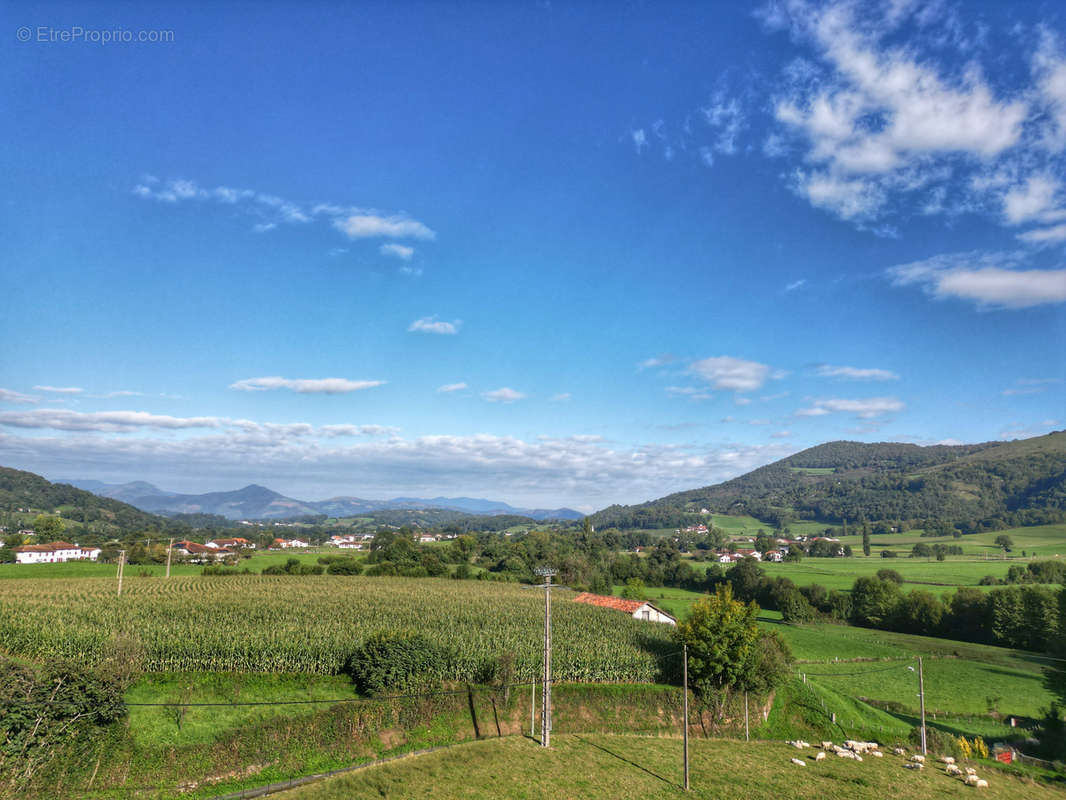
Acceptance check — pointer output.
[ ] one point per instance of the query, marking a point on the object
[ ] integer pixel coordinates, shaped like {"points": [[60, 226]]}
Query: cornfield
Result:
{"points": [[311, 624]]}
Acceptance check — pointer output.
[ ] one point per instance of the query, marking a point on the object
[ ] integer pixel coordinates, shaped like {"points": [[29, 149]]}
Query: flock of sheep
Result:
{"points": [[856, 750]]}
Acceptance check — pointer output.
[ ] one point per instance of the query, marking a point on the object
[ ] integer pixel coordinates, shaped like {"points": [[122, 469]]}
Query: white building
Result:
{"points": [[54, 552], [638, 609]]}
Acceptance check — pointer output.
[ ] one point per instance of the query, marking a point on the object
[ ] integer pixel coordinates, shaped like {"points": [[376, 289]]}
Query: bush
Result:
{"points": [[890, 575], [293, 567], [393, 661], [344, 566]]}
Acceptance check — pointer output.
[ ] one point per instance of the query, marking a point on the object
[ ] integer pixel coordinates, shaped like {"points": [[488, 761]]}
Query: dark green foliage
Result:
{"points": [[1013, 484], [220, 569], [294, 566], [345, 566], [393, 661], [889, 575], [90, 514], [51, 710], [874, 601]]}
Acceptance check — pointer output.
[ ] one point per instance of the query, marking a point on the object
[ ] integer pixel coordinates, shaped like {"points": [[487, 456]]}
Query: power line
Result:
{"points": [[861, 672]]}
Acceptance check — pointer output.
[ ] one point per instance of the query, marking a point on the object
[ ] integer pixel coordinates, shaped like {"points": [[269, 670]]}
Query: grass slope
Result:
{"points": [[634, 768]]}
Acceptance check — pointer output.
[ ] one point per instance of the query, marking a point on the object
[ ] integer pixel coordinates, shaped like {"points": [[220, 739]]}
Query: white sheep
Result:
{"points": [[898, 751], [952, 770], [948, 760], [820, 756], [858, 758], [913, 765], [971, 771], [982, 784], [917, 759], [971, 780], [877, 754], [827, 745], [800, 762]]}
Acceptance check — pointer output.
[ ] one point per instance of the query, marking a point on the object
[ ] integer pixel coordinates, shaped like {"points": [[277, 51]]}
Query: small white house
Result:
{"points": [[285, 544], [426, 538], [54, 552], [638, 609], [774, 555]]}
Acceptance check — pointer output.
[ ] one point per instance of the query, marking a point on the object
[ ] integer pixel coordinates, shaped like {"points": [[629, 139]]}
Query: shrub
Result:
{"points": [[346, 566], [393, 661], [890, 575]]}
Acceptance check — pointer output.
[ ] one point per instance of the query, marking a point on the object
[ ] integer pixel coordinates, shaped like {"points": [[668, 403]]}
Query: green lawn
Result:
{"points": [[634, 768]]}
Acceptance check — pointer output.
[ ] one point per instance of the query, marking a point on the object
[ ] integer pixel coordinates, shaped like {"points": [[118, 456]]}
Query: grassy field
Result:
{"points": [[91, 569], [634, 768]]}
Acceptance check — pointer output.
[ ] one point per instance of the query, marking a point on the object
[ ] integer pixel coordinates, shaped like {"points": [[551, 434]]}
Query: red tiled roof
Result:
{"points": [[603, 601]]}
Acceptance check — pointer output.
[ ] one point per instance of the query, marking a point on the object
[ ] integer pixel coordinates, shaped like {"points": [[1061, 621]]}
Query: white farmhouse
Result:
{"points": [[54, 552], [638, 609]]}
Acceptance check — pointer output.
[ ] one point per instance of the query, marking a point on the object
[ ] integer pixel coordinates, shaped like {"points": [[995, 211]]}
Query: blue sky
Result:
{"points": [[550, 253]]}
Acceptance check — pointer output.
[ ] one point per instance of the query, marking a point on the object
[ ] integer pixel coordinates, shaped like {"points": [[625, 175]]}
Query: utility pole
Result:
{"points": [[170, 550], [533, 710], [121, 564], [546, 691], [747, 737], [921, 696], [684, 709]]}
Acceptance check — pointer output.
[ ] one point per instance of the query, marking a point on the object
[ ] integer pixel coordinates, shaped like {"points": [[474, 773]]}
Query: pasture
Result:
{"points": [[594, 766]]}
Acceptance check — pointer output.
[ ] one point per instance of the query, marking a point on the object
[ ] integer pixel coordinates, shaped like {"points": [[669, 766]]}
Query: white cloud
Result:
{"points": [[866, 408], [1034, 200], [640, 139], [856, 373], [334, 431], [304, 386], [732, 374], [9, 396], [503, 395], [988, 279], [433, 325], [781, 435], [1024, 386], [452, 387], [795, 285], [658, 361], [104, 421], [726, 119], [875, 119], [400, 251], [546, 473], [562, 397], [1049, 70], [688, 391], [362, 226], [60, 389], [1044, 236]]}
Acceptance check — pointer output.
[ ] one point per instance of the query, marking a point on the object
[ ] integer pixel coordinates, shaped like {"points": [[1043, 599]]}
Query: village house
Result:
{"points": [[194, 551], [425, 538], [637, 609], [285, 544], [774, 555], [349, 541], [54, 552], [235, 543]]}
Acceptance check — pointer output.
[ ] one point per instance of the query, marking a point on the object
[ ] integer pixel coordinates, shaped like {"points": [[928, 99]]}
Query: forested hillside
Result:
{"points": [[971, 487], [100, 515]]}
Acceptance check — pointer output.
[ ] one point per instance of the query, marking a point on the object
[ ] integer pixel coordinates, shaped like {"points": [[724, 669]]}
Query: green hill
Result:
{"points": [[975, 487], [83, 511]]}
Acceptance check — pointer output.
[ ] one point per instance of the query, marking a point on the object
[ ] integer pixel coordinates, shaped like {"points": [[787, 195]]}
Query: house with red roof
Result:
{"points": [[54, 552], [638, 609]]}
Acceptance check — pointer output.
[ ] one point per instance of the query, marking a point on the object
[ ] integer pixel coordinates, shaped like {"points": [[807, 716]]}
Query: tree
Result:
{"points": [[634, 589], [721, 634], [865, 539], [874, 601], [1004, 541], [47, 528], [746, 578]]}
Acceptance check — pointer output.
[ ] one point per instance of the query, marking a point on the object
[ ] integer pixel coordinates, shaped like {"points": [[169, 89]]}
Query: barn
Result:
{"points": [[638, 609]]}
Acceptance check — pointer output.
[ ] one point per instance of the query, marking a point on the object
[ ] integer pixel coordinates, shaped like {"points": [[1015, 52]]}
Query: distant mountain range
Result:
{"points": [[259, 502]]}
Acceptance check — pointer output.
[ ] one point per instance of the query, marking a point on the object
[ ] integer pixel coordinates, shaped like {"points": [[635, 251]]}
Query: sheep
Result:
{"points": [[877, 754], [898, 751], [912, 765], [827, 745], [982, 783], [858, 758], [917, 759], [971, 771], [820, 756], [948, 760], [800, 762], [952, 770], [971, 780]]}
